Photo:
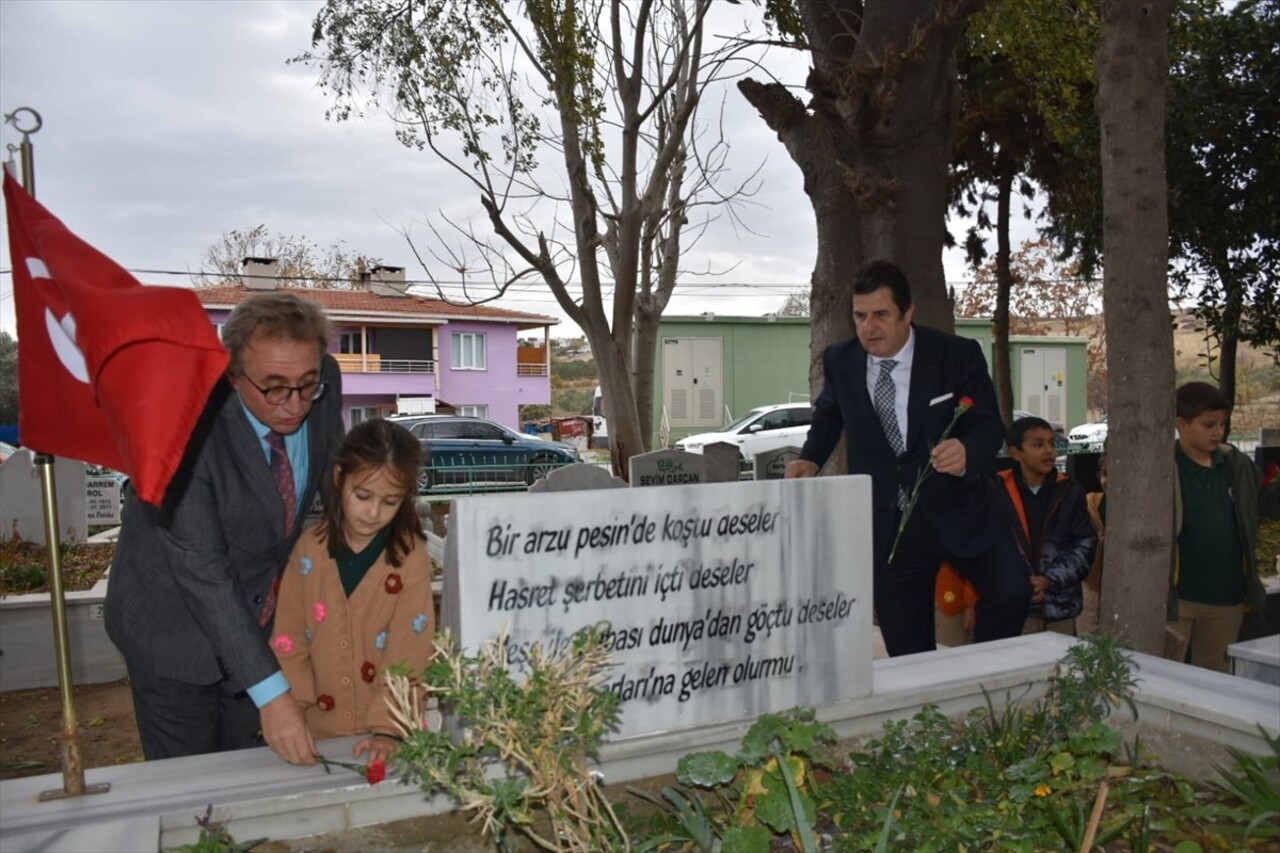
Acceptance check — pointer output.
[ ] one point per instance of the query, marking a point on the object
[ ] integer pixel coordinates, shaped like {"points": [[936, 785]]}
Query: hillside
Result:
{"points": [[1257, 382]]}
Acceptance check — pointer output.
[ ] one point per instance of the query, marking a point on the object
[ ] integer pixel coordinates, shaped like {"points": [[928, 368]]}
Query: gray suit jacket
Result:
{"points": [[189, 578]]}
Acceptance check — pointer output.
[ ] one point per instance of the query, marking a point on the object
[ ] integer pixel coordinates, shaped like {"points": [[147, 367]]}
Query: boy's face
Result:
{"points": [[1203, 433], [1037, 455]]}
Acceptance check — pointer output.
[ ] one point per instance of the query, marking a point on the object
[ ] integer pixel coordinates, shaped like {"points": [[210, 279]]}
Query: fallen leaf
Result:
{"points": [[98, 721]]}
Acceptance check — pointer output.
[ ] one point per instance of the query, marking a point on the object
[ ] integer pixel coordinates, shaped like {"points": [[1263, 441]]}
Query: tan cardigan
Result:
{"points": [[334, 650]]}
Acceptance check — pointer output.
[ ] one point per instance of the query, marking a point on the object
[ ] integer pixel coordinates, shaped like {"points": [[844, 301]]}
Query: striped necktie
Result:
{"points": [[282, 473]]}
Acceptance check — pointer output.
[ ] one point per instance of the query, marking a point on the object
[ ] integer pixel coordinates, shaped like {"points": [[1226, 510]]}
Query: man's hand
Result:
{"points": [[285, 729], [949, 457], [798, 468]]}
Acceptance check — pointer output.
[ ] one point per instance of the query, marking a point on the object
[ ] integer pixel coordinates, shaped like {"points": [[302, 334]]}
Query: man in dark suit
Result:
{"points": [[892, 390], [193, 583]]}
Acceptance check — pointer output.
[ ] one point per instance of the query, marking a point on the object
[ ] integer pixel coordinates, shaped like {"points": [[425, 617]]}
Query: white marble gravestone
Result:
{"points": [[576, 477], [667, 468], [772, 464], [22, 501], [724, 600]]}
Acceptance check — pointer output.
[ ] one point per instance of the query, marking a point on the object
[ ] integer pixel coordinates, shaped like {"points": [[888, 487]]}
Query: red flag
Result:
{"points": [[109, 371]]}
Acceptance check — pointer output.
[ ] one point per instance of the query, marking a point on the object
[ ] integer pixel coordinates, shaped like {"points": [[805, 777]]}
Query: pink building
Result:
{"points": [[399, 351]]}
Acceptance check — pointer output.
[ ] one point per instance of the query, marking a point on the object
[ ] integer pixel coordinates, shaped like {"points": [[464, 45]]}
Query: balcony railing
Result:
{"points": [[531, 370], [374, 363]]}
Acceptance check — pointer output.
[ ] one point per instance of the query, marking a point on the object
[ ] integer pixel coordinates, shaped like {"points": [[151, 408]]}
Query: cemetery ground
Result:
{"points": [[31, 728]]}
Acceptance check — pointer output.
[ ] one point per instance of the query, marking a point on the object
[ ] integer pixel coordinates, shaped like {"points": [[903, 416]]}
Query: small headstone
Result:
{"points": [[22, 505], [577, 477], [724, 462], [668, 468], [1270, 437], [723, 601], [772, 464], [102, 499]]}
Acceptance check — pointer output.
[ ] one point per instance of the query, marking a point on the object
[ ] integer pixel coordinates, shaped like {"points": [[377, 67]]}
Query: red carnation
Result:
{"points": [[324, 702], [376, 771], [368, 672], [394, 584], [966, 403]]}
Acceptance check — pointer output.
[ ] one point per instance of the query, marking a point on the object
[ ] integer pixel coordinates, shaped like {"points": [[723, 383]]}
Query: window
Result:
{"points": [[775, 420], [363, 413], [350, 343], [801, 417], [474, 411], [468, 351], [481, 431]]}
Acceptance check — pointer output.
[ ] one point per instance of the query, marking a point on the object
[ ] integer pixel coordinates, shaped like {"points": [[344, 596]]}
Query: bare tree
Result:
{"points": [[1133, 65], [797, 305], [873, 142], [302, 262], [608, 91]]}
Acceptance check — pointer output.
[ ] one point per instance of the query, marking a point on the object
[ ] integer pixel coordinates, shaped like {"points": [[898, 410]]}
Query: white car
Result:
{"points": [[1088, 438], [762, 428]]}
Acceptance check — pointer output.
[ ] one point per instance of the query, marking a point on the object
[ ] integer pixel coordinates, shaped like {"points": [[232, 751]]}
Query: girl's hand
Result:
{"points": [[378, 747]]}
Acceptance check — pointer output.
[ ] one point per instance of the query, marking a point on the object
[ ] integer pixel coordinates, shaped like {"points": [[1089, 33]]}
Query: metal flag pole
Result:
{"points": [[72, 767]]}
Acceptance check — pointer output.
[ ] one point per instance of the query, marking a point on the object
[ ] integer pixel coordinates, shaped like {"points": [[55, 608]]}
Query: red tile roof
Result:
{"points": [[364, 305]]}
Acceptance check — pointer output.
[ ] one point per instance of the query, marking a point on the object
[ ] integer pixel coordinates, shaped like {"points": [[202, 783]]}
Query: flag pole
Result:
{"points": [[72, 766]]}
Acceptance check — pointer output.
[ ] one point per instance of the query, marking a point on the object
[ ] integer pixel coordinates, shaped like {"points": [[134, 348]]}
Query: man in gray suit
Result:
{"points": [[193, 584]]}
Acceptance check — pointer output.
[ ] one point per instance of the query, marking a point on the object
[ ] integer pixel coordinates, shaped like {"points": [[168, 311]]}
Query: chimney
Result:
{"points": [[387, 281], [260, 273]]}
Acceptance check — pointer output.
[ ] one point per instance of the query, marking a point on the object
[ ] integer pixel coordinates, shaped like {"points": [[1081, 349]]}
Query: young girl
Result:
{"points": [[356, 592]]}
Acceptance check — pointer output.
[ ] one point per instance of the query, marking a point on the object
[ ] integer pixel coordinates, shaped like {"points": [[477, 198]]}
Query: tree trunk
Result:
{"points": [[873, 144], [1132, 63], [1000, 356], [1229, 340]]}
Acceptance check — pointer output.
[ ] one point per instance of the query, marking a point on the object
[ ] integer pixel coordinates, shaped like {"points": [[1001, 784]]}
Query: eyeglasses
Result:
{"points": [[278, 395]]}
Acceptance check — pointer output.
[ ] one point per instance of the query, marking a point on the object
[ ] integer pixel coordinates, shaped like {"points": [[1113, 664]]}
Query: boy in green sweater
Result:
{"points": [[1214, 576]]}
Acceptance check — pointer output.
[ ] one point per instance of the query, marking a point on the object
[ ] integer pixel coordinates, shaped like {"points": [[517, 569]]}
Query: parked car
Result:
{"points": [[1088, 438], [1058, 427], [762, 428], [465, 450]]}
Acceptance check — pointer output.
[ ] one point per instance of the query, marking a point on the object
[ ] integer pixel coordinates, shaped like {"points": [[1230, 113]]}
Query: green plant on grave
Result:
{"points": [[1255, 782], [1093, 677], [520, 760], [769, 788], [214, 838], [983, 781]]}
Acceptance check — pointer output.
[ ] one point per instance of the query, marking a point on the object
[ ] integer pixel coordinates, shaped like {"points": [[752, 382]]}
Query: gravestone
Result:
{"points": [[22, 505], [724, 600], [667, 468], [772, 464], [102, 499], [724, 462], [576, 477], [1269, 437]]}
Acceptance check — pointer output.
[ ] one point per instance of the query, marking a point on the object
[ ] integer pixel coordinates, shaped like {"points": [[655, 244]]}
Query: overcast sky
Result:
{"points": [[170, 122]]}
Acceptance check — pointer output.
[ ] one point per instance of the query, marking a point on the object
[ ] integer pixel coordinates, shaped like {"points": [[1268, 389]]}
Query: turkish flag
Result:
{"points": [[109, 371]]}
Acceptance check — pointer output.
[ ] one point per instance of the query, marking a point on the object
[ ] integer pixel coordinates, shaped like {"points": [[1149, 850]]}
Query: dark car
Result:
{"points": [[464, 450]]}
